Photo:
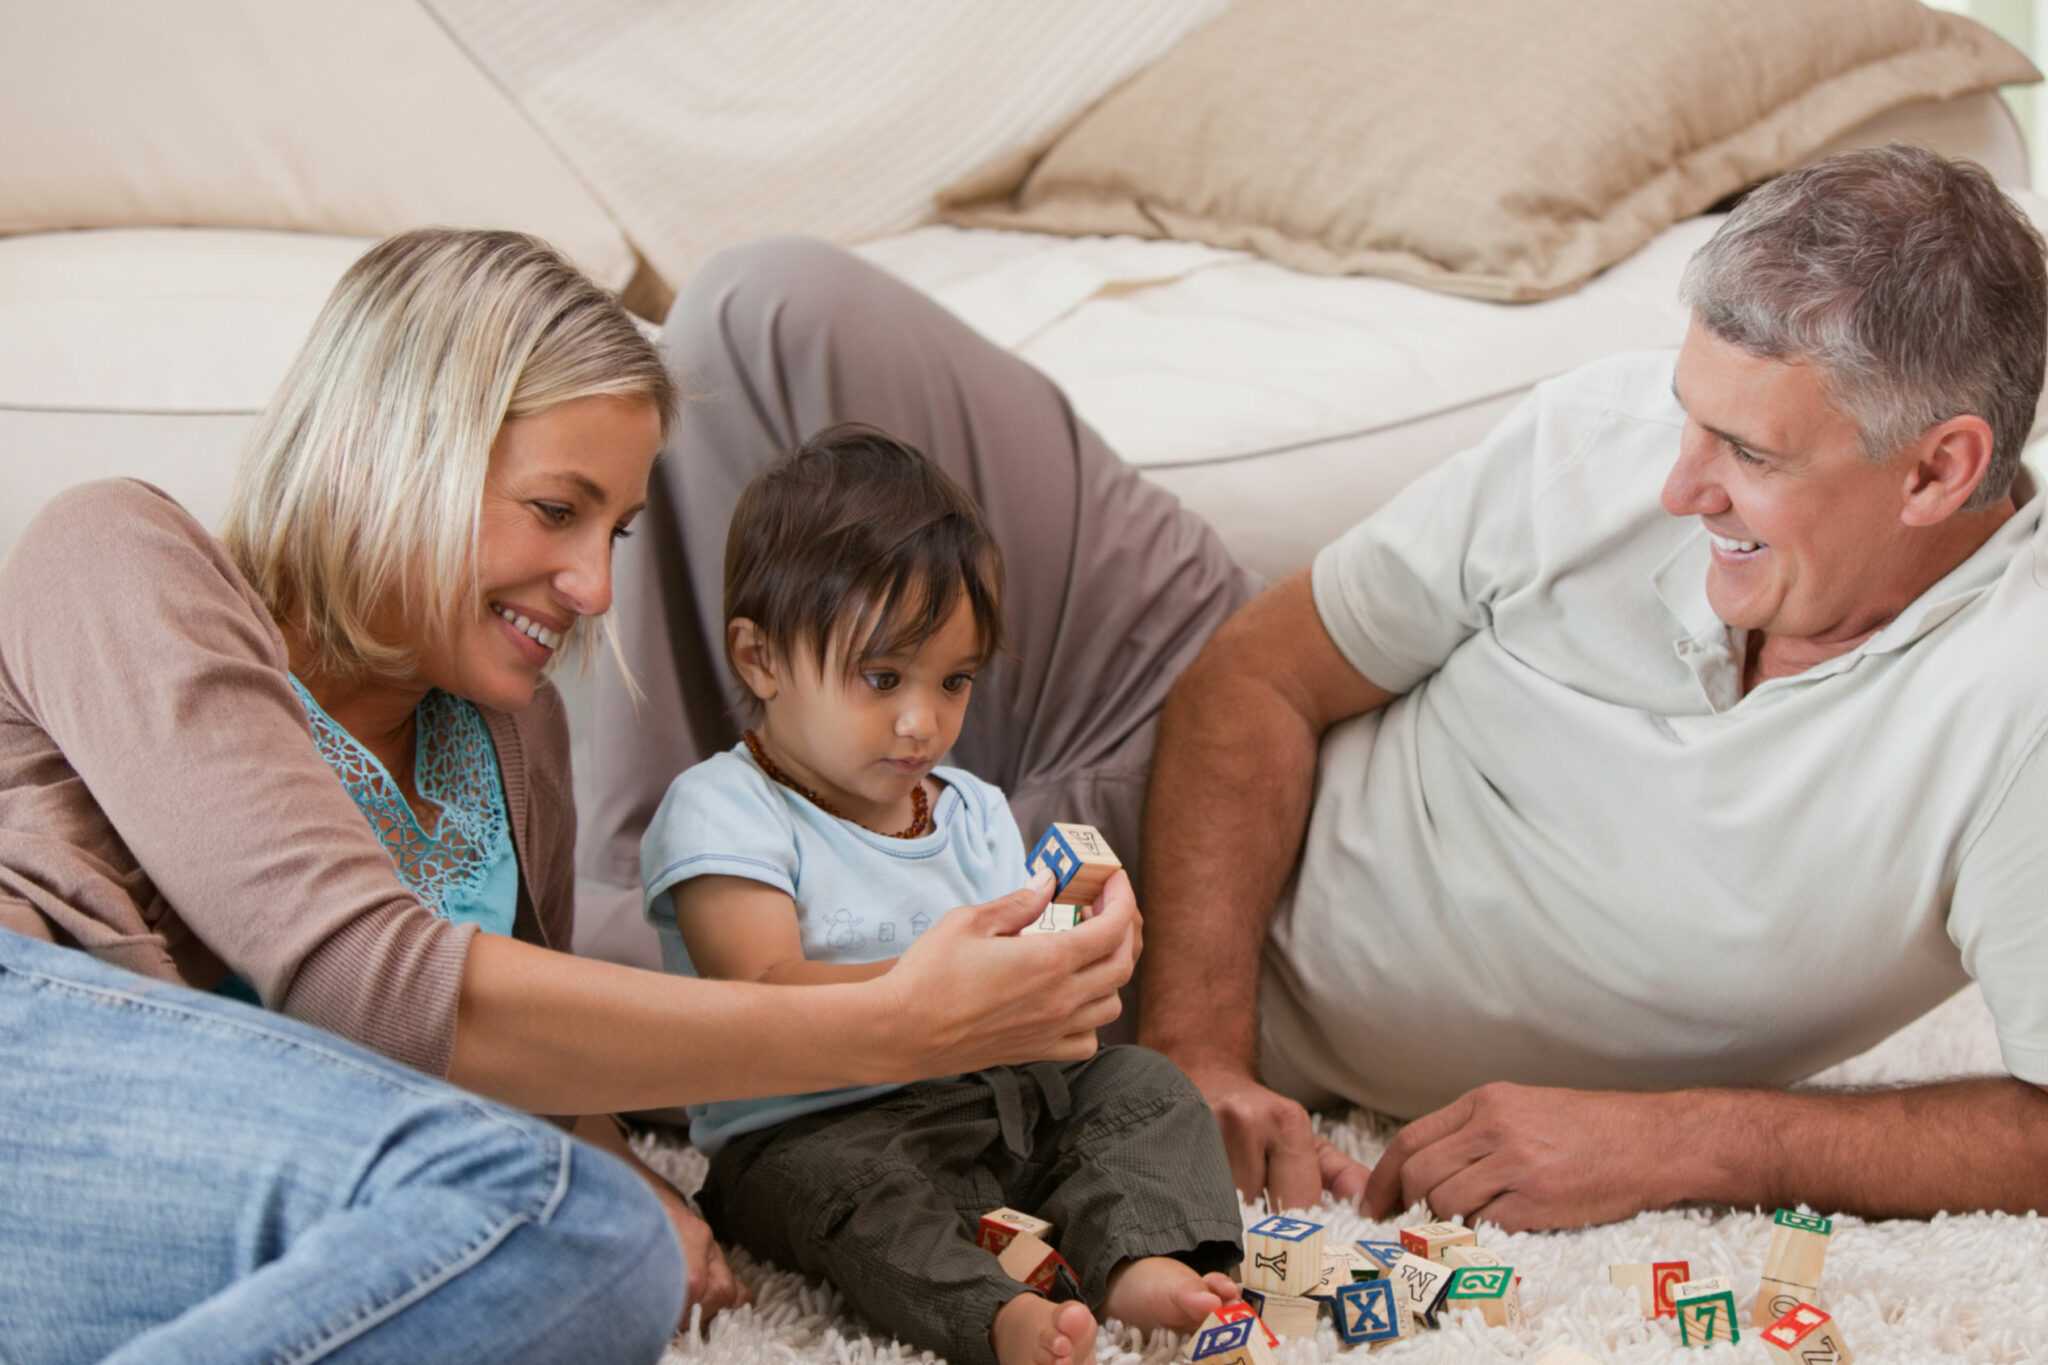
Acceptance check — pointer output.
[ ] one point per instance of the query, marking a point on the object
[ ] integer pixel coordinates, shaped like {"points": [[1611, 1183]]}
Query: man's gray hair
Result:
{"points": [[1913, 283]]}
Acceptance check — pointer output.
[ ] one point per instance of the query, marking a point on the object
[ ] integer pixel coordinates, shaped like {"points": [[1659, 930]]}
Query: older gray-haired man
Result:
{"points": [[1681, 739], [1675, 742]]}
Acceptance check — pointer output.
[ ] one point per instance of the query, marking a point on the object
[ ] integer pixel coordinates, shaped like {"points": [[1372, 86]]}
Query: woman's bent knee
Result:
{"points": [[614, 1236]]}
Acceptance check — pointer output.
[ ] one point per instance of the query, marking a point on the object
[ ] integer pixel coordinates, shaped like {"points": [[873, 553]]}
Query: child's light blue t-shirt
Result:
{"points": [[860, 896]]}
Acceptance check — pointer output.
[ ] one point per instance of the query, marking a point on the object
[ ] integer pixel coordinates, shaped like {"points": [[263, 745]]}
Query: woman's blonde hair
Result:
{"points": [[363, 483]]}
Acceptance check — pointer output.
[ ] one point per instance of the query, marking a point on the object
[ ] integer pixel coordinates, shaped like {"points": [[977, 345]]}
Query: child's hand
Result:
{"points": [[970, 994]]}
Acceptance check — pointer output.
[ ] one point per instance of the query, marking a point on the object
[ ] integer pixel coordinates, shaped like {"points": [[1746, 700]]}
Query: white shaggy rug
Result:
{"points": [[1959, 1288]]}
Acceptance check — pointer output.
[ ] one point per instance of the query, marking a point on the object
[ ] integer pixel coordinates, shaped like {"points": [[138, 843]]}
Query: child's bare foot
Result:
{"points": [[1032, 1330], [1158, 1291]]}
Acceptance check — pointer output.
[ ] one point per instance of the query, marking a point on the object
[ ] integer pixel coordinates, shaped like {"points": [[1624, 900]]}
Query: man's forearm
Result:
{"points": [[1904, 1153], [1224, 815]]}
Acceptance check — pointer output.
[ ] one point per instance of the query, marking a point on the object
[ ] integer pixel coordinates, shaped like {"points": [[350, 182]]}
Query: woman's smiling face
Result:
{"points": [[563, 484]]}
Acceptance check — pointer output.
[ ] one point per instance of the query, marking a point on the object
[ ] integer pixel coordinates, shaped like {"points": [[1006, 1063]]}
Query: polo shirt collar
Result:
{"points": [[1713, 652]]}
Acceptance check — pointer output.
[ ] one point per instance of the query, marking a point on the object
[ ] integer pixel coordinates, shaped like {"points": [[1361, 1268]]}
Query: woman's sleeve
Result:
{"points": [[130, 639]]}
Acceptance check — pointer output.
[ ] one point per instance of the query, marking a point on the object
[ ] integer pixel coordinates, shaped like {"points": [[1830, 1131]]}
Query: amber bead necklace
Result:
{"points": [[920, 805]]}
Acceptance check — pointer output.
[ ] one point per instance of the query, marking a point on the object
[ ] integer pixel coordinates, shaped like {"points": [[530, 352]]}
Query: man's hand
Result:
{"points": [[713, 1286], [1272, 1148], [1530, 1157]]}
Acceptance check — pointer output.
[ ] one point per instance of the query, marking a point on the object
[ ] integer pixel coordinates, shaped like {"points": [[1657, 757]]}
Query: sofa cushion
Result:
{"points": [[710, 123], [1501, 151], [363, 119]]}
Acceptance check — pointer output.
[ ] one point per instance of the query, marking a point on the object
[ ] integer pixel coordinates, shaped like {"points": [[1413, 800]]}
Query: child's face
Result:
{"points": [[863, 743]]}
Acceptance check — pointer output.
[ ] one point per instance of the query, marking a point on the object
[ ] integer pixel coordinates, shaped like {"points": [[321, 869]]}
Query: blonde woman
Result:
{"points": [[317, 762]]}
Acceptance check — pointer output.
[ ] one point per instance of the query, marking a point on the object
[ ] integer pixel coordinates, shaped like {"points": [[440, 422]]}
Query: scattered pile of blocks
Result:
{"points": [[1376, 1292], [1373, 1292], [1786, 1303]]}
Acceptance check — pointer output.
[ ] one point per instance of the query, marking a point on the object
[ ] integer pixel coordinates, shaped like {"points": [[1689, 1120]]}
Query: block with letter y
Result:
{"points": [[1284, 1255]]}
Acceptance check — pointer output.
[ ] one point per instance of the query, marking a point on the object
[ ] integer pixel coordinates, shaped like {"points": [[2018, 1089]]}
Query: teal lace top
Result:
{"points": [[465, 870]]}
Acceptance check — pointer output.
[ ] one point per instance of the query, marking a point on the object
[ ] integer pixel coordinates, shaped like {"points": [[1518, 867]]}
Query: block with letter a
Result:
{"points": [[1284, 1255], [1792, 1264], [1806, 1336], [1079, 858], [1706, 1312]]}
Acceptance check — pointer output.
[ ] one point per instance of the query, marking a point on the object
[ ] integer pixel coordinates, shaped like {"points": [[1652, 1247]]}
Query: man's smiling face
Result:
{"points": [[1806, 529]]}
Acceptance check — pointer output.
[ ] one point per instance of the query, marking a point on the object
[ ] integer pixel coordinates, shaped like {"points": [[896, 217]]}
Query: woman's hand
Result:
{"points": [[971, 993], [713, 1286]]}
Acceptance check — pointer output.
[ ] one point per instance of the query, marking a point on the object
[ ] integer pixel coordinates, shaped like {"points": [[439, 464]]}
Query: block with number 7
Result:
{"points": [[1706, 1312]]}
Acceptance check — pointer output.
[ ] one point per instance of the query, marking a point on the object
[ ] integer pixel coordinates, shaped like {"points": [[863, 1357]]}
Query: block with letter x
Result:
{"points": [[1365, 1311]]}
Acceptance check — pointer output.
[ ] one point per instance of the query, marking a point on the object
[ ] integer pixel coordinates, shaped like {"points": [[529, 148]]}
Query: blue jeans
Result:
{"points": [[187, 1179]]}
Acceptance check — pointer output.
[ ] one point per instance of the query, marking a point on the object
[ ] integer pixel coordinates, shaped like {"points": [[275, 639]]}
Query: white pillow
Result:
{"points": [[713, 122], [362, 119]]}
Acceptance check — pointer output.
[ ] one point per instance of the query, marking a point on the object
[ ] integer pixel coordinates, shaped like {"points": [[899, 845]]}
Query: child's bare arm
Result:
{"points": [[742, 930]]}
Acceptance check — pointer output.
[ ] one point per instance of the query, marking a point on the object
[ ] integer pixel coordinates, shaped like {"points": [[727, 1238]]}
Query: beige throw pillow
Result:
{"points": [[1502, 150]]}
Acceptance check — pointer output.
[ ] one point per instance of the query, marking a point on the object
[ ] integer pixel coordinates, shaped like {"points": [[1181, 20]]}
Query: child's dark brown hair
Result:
{"points": [[854, 525]]}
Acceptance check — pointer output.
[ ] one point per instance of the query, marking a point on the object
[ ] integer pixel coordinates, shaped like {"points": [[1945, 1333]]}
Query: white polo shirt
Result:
{"points": [[1573, 853]]}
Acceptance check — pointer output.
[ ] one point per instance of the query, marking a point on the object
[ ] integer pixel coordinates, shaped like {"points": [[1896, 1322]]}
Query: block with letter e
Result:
{"points": [[1806, 1336], [1078, 857], [1365, 1312], [1706, 1312], [1284, 1255]]}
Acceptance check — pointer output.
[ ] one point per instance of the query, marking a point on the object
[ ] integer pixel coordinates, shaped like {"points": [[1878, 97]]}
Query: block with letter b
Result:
{"points": [[1366, 1312], [1792, 1264], [1080, 861], [1806, 1336], [1706, 1312], [1284, 1255]]}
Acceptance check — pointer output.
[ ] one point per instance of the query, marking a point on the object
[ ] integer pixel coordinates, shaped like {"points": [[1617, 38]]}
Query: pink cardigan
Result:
{"points": [[162, 805]]}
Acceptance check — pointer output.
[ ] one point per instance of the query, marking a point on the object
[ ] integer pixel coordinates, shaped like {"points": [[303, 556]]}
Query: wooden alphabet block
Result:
{"points": [[1290, 1315], [1429, 1240], [1792, 1265], [1230, 1341], [1653, 1283], [1806, 1336], [1420, 1285], [1706, 1312], [1284, 1255], [1493, 1290], [1080, 859], [1028, 1260], [1365, 1312], [1380, 1254], [1057, 917], [998, 1226], [1231, 1312]]}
